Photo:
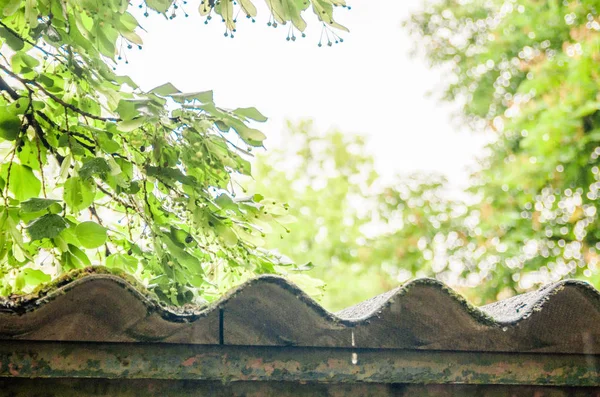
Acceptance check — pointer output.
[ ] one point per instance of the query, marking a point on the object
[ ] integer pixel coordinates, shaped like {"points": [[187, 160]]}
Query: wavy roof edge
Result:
{"points": [[501, 313]]}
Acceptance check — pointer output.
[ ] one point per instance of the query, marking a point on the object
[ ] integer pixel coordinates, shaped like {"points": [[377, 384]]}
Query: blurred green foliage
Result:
{"points": [[529, 71], [357, 233]]}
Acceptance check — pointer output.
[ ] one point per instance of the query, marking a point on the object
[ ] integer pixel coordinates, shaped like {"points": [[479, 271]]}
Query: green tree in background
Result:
{"points": [[362, 234], [94, 171], [319, 177], [529, 71]]}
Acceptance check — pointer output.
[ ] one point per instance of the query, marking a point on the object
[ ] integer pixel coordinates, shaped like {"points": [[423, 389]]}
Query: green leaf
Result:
{"points": [[69, 236], [55, 208], [248, 7], [165, 90], [35, 276], [251, 136], [79, 255], [14, 42], [182, 256], [227, 234], [7, 223], [30, 156], [171, 173], [92, 167], [107, 144], [203, 97], [10, 124], [21, 61], [296, 8], [10, 7], [37, 204], [90, 234], [133, 37], [129, 22], [122, 261], [78, 194], [31, 13], [127, 109], [225, 9], [48, 226], [204, 8], [226, 202], [23, 183], [159, 5], [278, 11], [131, 125], [63, 173], [251, 113]]}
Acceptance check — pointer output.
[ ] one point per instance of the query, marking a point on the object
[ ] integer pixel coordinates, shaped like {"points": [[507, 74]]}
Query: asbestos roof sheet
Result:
{"points": [[270, 311]]}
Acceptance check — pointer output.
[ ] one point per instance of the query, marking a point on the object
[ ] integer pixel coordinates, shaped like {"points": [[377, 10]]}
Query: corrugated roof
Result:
{"points": [[270, 311]]}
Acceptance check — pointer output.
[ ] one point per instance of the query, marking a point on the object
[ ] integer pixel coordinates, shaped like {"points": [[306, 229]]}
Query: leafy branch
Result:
{"points": [[164, 160], [28, 82]]}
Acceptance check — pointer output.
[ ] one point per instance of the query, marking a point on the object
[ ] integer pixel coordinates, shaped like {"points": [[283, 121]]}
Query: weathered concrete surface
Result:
{"points": [[102, 308], [269, 311], [293, 364], [99, 334]]}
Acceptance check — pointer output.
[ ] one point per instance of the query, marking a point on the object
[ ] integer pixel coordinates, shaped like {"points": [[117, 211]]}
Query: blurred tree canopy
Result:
{"points": [[96, 171], [527, 70], [359, 234]]}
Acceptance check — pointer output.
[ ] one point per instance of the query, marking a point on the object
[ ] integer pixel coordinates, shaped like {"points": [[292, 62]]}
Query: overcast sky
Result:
{"points": [[368, 85]]}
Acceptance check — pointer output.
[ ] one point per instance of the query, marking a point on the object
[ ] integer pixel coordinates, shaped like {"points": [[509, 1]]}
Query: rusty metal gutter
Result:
{"points": [[26, 359]]}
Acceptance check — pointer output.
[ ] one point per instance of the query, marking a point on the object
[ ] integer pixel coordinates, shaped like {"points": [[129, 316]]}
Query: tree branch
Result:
{"points": [[55, 98], [58, 128], [17, 35], [115, 198], [42, 136], [5, 87], [33, 122]]}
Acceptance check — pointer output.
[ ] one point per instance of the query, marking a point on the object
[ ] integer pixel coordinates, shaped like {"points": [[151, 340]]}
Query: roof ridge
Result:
{"points": [[504, 312]]}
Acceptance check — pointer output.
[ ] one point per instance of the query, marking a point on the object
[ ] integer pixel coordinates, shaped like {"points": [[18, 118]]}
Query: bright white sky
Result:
{"points": [[367, 85]]}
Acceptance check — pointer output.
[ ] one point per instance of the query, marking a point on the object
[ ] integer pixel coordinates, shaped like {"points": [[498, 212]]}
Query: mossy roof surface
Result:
{"points": [[100, 305]]}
